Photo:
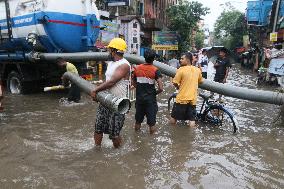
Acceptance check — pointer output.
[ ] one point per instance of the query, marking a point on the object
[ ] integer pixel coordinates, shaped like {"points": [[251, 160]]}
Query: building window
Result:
{"points": [[140, 8], [135, 25], [134, 39]]}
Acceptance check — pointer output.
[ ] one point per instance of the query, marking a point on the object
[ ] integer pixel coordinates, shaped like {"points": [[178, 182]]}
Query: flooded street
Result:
{"points": [[46, 144]]}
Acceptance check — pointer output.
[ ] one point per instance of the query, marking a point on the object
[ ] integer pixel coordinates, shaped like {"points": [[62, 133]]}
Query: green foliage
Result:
{"points": [[230, 28], [199, 39], [100, 3], [183, 18]]}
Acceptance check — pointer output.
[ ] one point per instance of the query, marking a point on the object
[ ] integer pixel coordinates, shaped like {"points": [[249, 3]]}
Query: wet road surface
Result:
{"points": [[47, 144]]}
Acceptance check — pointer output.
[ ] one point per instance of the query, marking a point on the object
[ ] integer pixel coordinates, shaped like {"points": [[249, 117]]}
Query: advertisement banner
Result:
{"points": [[110, 31], [112, 3], [164, 40]]}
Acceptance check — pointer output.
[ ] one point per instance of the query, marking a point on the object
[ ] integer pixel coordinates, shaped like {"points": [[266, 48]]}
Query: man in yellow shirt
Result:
{"points": [[74, 93], [186, 81]]}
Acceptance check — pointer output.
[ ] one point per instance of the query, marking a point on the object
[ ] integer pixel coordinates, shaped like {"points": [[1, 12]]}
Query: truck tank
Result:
{"points": [[54, 26]]}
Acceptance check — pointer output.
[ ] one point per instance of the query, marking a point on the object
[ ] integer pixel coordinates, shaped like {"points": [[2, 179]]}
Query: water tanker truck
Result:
{"points": [[47, 26]]}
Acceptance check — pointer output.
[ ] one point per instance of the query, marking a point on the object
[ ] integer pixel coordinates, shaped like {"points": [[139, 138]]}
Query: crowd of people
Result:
{"points": [[191, 71], [120, 76]]}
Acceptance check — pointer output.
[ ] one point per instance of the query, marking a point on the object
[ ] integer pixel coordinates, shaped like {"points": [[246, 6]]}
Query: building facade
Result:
{"points": [[150, 15]]}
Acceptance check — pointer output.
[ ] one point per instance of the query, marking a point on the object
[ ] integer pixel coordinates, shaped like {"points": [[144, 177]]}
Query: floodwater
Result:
{"points": [[45, 143]]}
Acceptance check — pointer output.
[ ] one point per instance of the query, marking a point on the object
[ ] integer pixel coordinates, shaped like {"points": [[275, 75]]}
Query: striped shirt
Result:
{"points": [[145, 76]]}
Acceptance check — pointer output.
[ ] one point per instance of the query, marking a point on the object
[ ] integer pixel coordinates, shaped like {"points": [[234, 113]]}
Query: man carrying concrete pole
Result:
{"points": [[144, 78], [117, 82], [74, 94]]}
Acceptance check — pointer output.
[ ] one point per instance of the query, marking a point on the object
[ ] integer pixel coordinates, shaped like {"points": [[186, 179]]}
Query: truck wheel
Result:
{"points": [[14, 83]]}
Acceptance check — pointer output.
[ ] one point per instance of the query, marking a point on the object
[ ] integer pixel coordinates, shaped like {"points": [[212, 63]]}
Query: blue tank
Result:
{"points": [[48, 25], [258, 12]]}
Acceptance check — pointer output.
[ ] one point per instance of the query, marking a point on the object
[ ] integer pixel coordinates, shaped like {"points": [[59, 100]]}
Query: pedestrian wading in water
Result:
{"points": [[117, 83], [186, 81], [74, 94], [144, 78]]}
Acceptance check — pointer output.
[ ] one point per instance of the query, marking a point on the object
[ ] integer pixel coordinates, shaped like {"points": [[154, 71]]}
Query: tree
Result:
{"points": [[183, 18], [199, 39], [230, 28]]}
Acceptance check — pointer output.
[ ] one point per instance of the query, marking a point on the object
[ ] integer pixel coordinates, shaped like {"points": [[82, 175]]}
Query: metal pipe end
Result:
{"points": [[123, 105]]}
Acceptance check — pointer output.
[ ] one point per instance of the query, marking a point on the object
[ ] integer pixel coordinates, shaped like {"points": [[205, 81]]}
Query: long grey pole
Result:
{"points": [[225, 89], [114, 103], [232, 91]]}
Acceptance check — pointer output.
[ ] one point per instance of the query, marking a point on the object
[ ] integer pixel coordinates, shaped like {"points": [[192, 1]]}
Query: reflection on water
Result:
{"points": [[47, 143]]}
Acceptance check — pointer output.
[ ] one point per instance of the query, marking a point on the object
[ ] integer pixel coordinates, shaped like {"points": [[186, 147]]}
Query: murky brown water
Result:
{"points": [[44, 144]]}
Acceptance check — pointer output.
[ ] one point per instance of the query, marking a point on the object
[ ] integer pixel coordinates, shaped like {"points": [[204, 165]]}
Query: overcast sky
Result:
{"points": [[216, 9]]}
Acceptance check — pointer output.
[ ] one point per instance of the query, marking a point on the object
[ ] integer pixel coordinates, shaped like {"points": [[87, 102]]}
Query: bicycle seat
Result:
{"points": [[205, 96]]}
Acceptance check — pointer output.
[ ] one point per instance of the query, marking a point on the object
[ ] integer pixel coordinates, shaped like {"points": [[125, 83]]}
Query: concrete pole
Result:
{"points": [[114, 103], [225, 89]]}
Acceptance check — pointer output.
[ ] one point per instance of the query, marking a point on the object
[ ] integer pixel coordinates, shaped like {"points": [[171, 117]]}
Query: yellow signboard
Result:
{"points": [[165, 47], [273, 36], [165, 40]]}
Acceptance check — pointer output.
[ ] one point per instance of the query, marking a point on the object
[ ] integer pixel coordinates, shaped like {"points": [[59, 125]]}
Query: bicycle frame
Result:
{"points": [[212, 112], [206, 105]]}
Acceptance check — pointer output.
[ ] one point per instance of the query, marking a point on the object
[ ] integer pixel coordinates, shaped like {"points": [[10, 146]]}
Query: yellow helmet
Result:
{"points": [[118, 43]]}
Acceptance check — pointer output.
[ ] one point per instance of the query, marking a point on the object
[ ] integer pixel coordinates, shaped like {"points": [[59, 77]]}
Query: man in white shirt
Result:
{"points": [[203, 63], [174, 62], [117, 83]]}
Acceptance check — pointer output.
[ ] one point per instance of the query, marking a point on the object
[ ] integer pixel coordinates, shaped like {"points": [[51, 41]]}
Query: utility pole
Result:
{"points": [[117, 14]]}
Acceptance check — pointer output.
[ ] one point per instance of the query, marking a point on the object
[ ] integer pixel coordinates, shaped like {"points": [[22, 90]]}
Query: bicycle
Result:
{"points": [[212, 112]]}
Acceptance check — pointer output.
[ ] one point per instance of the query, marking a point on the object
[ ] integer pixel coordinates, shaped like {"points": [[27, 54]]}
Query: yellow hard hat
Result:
{"points": [[118, 43]]}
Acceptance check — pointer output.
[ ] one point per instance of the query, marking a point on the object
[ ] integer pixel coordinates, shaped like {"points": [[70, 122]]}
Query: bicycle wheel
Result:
{"points": [[221, 118]]}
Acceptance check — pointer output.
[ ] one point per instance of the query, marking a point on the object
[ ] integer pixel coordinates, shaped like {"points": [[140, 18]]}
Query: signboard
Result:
{"points": [[273, 36], [164, 40], [115, 3], [109, 32]]}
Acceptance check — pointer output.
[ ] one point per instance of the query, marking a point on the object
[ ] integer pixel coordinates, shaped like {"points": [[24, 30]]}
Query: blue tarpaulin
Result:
{"points": [[276, 66]]}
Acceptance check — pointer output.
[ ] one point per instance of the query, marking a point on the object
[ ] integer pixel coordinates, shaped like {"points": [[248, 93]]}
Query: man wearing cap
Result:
{"points": [[117, 82]]}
